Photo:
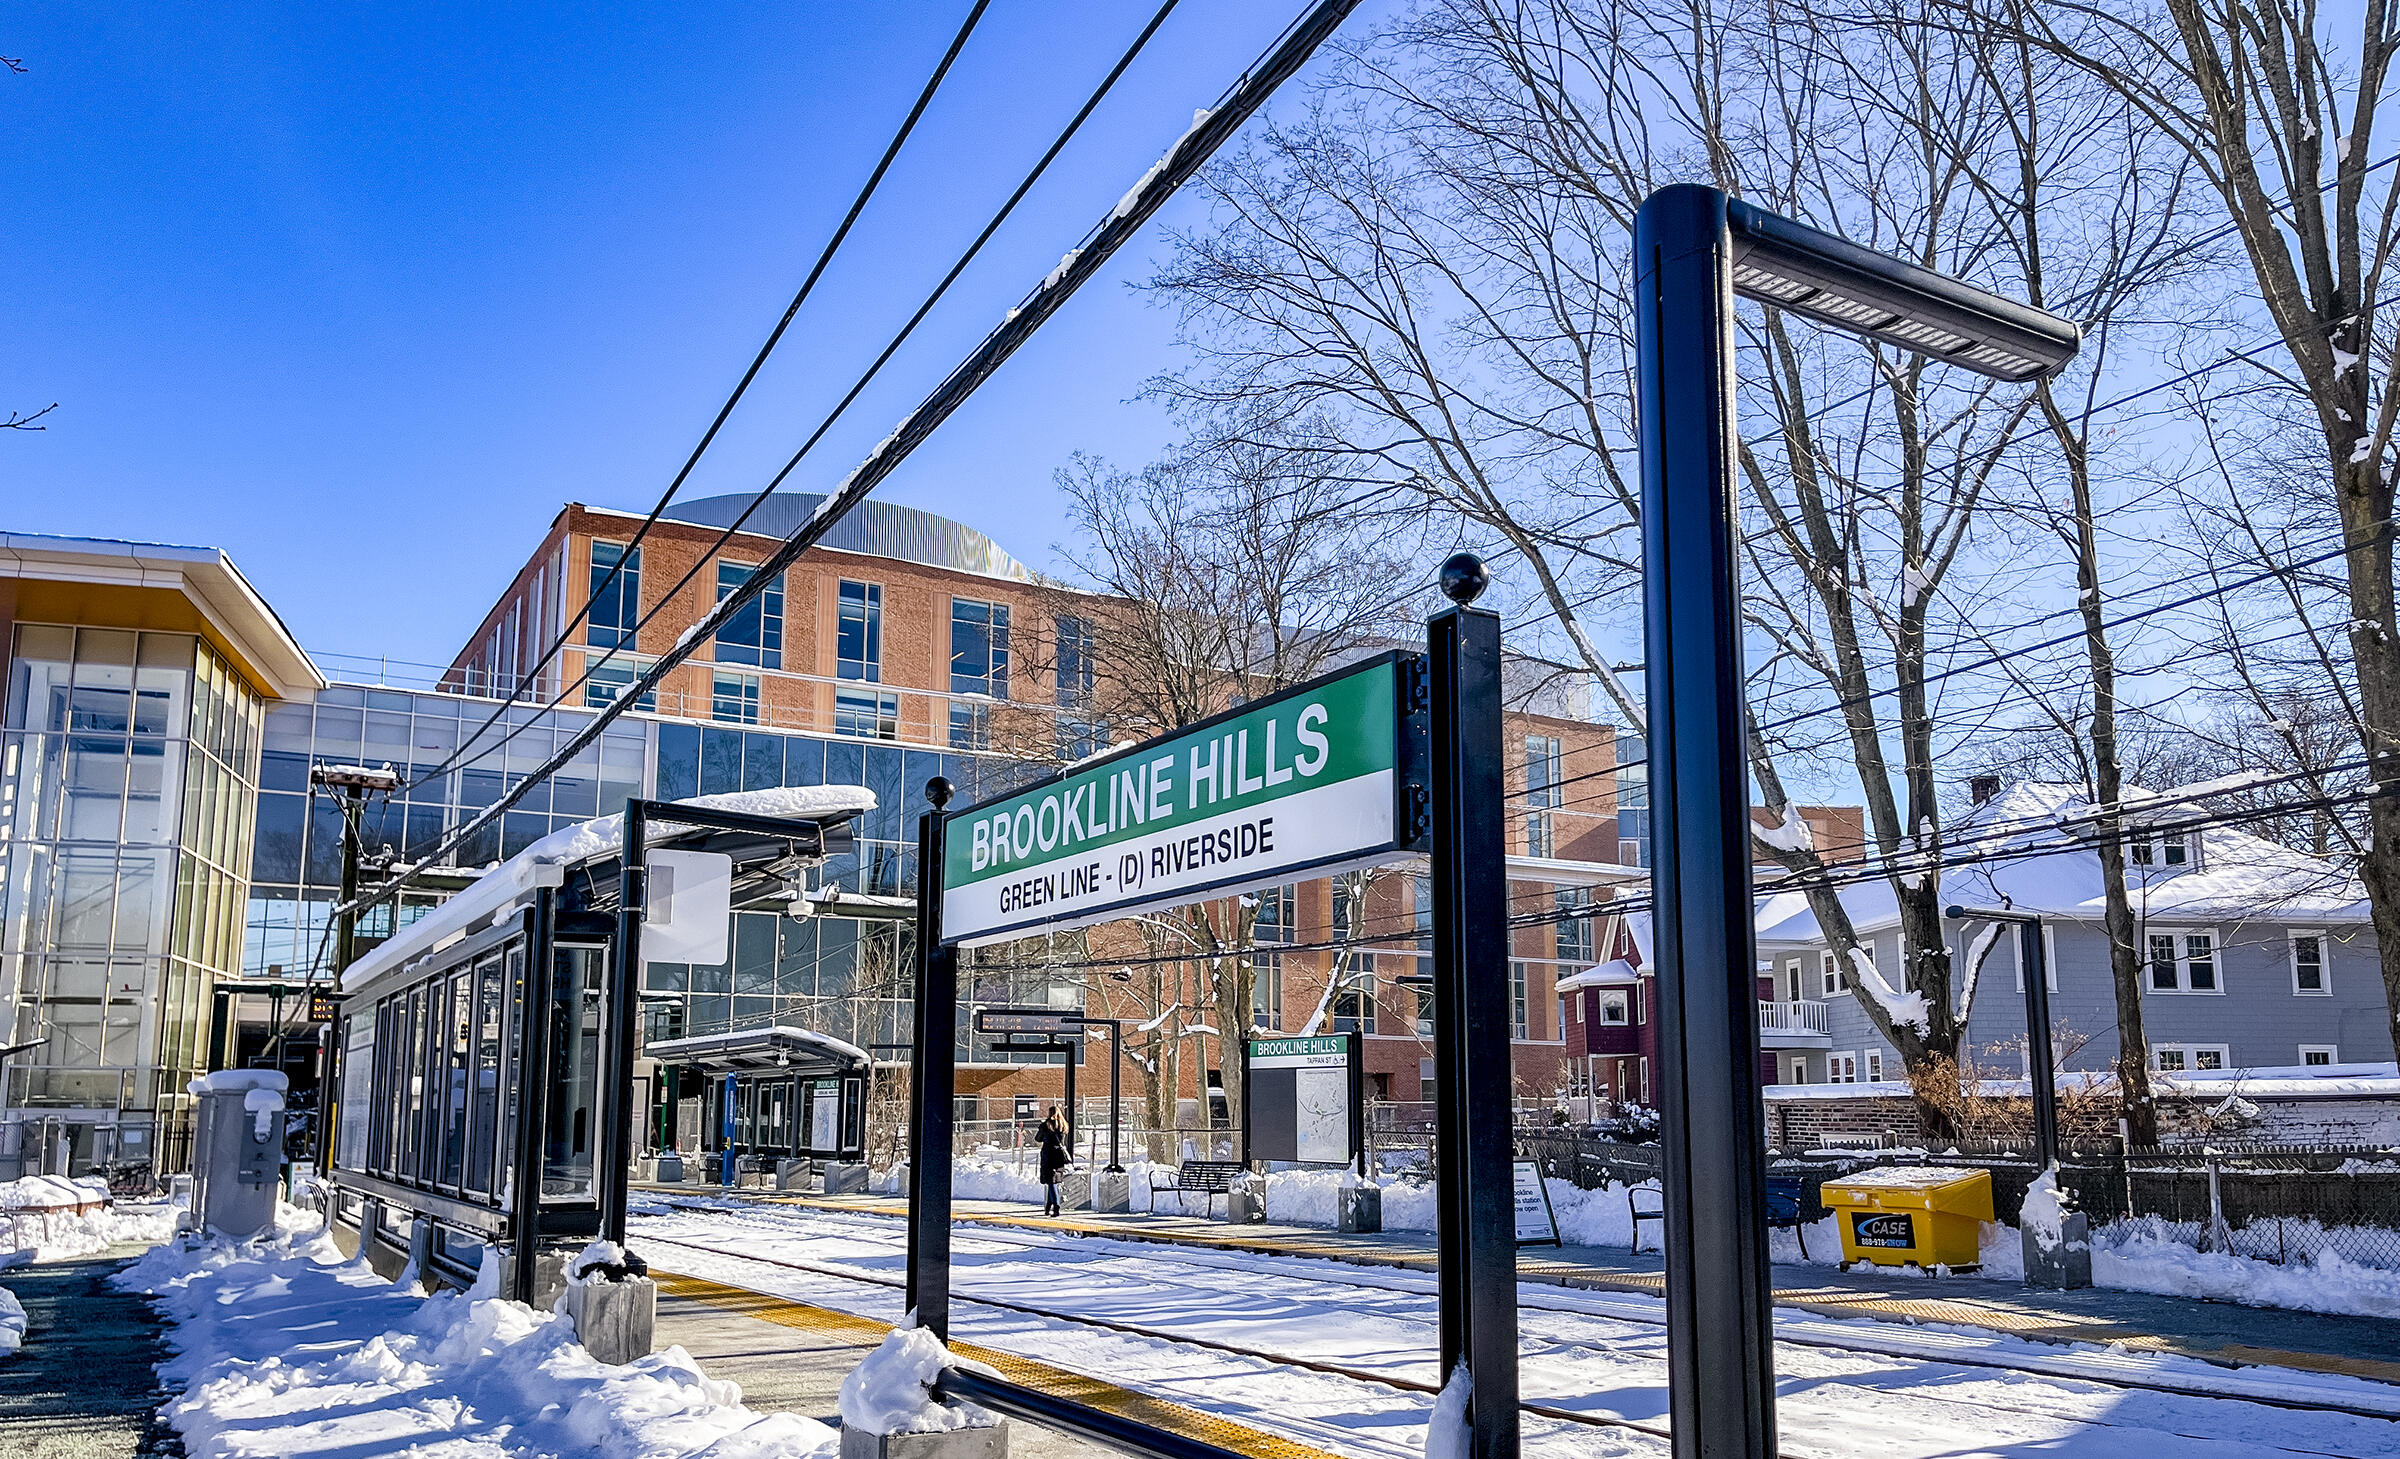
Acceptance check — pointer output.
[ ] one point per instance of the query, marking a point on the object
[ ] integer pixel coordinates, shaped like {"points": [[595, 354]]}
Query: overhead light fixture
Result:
{"points": [[1858, 290]]}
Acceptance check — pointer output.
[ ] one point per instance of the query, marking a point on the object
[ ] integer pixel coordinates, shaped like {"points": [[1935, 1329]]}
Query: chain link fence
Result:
{"points": [[2275, 1203]]}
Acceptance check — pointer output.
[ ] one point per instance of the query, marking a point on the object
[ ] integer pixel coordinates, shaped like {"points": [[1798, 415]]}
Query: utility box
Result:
{"points": [[1912, 1215], [237, 1151]]}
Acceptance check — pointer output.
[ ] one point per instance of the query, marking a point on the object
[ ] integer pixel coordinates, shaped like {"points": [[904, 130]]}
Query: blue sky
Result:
{"points": [[362, 296]]}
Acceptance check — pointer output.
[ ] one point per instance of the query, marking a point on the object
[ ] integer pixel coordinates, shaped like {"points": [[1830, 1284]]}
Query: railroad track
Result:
{"points": [[1582, 1418], [1924, 1345]]}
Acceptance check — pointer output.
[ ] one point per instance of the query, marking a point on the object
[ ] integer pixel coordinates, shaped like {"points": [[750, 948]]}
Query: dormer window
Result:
{"points": [[2171, 851]]}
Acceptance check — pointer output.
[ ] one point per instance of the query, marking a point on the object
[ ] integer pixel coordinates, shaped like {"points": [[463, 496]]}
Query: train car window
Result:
{"points": [[512, 1032], [483, 1121], [413, 1075], [575, 1087], [460, 1027], [358, 1071]]}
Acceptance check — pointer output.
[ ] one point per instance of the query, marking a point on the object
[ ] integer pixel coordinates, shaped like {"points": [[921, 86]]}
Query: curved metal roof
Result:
{"points": [[804, 1052], [885, 529]]}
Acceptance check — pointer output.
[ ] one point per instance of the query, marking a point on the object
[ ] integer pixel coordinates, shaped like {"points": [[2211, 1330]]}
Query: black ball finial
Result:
{"points": [[1464, 577], [938, 790]]}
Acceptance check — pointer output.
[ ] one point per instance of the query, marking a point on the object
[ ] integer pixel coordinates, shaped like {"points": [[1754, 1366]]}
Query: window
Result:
{"points": [[2187, 1058], [754, 634], [1541, 794], [1874, 1066], [2183, 962], [734, 698], [970, 725], [866, 714], [1277, 923], [1354, 1005], [2308, 964], [1829, 976], [1633, 801], [2319, 1056], [616, 605], [1075, 668], [1520, 1012], [605, 682], [978, 648], [1616, 1006], [1798, 1072], [858, 633], [2171, 852], [1575, 927], [1841, 1068]]}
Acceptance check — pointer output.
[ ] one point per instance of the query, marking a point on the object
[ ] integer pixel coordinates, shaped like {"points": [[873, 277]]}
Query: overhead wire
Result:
{"points": [[1210, 130], [858, 205]]}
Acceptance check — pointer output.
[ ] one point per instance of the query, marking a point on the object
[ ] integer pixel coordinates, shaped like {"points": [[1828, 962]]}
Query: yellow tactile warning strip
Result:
{"points": [[1095, 1393], [1992, 1315]]}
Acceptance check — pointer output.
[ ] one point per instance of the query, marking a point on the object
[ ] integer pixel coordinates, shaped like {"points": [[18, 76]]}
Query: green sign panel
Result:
{"points": [[1319, 778]]}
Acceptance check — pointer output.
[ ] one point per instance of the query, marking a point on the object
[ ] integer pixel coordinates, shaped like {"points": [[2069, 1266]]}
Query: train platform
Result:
{"points": [[748, 1336], [2216, 1332], [85, 1385]]}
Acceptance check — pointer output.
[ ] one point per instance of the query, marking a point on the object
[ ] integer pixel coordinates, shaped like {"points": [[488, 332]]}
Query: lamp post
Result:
{"points": [[2039, 1068], [1695, 250]]}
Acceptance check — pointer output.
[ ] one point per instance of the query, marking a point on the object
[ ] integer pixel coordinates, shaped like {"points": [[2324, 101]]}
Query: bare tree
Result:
{"points": [[2278, 113]]}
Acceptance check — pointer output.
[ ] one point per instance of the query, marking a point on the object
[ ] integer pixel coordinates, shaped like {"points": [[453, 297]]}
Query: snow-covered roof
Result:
{"points": [[1615, 973], [757, 1047], [2238, 876], [545, 860]]}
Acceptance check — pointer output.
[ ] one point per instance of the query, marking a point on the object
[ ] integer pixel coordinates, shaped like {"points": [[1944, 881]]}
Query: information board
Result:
{"points": [[825, 1117], [1300, 1099], [1316, 779], [1537, 1223]]}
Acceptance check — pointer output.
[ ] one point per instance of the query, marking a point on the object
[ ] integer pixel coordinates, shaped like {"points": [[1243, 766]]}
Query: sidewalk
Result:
{"points": [[2218, 1332], [85, 1386]]}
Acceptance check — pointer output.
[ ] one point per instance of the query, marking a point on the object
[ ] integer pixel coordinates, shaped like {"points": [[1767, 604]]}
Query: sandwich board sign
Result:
{"points": [[1300, 1100], [1324, 777], [1537, 1223]]}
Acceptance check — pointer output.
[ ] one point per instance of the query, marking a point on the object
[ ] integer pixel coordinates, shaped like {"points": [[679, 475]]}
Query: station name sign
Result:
{"points": [[1320, 778]]}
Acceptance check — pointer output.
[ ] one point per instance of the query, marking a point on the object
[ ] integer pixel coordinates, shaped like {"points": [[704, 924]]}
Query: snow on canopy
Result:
{"points": [[582, 841], [1615, 973], [2237, 875]]}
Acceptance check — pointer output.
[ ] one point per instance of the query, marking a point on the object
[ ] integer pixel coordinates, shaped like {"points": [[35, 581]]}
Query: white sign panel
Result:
{"points": [[689, 908], [1537, 1224]]}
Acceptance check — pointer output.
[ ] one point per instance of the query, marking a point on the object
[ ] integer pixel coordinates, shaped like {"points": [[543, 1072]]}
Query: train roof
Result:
{"points": [[545, 863], [802, 1051]]}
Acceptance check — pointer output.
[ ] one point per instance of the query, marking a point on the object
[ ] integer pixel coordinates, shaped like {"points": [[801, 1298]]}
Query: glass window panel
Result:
{"points": [[754, 951], [615, 591], [720, 761], [483, 1122], [803, 761], [678, 761], [858, 633], [574, 1103], [95, 787], [522, 829], [762, 761], [87, 900], [457, 1072], [152, 791], [39, 675], [162, 682]]}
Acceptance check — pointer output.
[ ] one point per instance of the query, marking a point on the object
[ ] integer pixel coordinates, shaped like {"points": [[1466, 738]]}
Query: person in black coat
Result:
{"points": [[1054, 1140]]}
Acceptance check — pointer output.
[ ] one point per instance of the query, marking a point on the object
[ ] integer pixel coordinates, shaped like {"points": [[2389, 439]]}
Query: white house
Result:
{"points": [[2255, 955]]}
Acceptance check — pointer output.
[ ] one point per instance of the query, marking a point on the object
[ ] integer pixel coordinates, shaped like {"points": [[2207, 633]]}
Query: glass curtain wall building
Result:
{"points": [[128, 777]]}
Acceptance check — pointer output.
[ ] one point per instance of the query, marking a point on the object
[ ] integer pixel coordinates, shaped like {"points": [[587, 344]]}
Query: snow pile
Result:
{"points": [[1313, 1198], [891, 1390], [286, 1349], [2043, 1218], [1446, 1432], [1600, 1217], [12, 1322], [2141, 1256], [52, 1218]]}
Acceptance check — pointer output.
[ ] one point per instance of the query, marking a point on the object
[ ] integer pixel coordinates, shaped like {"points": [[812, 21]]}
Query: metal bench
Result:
{"points": [[1789, 1208], [1207, 1178]]}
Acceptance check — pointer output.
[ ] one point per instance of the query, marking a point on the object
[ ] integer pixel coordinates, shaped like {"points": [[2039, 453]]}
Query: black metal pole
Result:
{"points": [[1473, 1078], [1073, 1051], [2039, 1067], [933, 1078], [1116, 1074], [1720, 1365], [624, 1004]]}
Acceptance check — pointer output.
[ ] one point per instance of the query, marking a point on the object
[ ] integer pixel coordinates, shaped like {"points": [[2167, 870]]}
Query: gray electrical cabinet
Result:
{"points": [[237, 1153]]}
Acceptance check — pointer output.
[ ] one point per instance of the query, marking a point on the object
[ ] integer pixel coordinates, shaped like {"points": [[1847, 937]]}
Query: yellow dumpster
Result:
{"points": [[1921, 1215]]}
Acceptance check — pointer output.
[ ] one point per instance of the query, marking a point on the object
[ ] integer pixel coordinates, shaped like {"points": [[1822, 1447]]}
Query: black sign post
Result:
{"points": [[1695, 248]]}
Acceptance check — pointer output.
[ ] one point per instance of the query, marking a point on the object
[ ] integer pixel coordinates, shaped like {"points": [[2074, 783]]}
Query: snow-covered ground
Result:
{"points": [[2136, 1256], [51, 1218], [285, 1349], [1860, 1390]]}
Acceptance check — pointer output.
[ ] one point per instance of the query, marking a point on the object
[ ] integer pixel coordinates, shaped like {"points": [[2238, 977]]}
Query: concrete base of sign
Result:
{"points": [[615, 1321], [1359, 1209], [846, 1180], [1246, 1207], [1113, 1193], [988, 1442], [2066, 1266], [900, 1178], [549, 1278], [795, 1175], [1074, 1192]]}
